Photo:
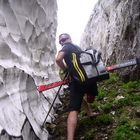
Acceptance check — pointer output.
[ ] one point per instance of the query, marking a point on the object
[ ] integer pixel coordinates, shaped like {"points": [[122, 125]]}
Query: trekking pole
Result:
{"points": [[66, 75]]}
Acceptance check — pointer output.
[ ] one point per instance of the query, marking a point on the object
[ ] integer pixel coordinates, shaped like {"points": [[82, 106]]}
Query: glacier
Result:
{"points": [[27, 59]]}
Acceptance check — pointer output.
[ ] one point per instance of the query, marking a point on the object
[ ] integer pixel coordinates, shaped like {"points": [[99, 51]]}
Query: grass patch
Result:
{"points": [[125, 132], [131, 86], [95, 105], [90, 134], [113, 79], [106, 107], [117, 116], [104, 119]]}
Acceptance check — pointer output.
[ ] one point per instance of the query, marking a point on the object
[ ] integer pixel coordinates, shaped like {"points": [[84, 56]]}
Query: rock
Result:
{"points": [[138, 112], [119, 97], [113, 28]]}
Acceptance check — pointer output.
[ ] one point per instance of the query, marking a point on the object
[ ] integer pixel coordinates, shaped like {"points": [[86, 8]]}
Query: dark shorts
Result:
{"points": [[77, 92]]}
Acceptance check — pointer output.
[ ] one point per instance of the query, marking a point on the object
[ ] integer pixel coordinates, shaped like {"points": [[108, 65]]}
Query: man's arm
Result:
{"points": [[59, 60]]}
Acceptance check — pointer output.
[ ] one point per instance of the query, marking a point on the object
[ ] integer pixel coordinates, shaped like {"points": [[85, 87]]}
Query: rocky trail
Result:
{"points": [[118, 119], [58, 129]]}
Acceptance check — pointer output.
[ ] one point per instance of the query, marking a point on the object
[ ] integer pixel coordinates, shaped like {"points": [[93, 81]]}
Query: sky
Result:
{"points": [[73, 16]]}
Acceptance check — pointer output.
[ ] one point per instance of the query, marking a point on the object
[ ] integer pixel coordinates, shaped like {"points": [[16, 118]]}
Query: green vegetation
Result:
{"points": [[104, 119], [126, 132], [117, 103], [90, 134]]}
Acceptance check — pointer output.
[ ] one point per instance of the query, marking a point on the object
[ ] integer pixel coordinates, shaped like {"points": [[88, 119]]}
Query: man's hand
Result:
{"points": [[59, 60], [62, 74]]}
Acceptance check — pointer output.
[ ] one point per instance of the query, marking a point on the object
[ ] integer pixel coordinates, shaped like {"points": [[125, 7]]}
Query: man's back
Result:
{"points": [[68, 49]]}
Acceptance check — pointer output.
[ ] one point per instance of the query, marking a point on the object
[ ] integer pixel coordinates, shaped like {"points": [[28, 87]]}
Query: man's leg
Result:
{"points": [[87, 107], [76, 97], [71, 124]]}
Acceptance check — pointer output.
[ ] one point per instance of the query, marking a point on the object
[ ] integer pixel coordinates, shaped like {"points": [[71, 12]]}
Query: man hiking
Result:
{"points": [[77, 89]]}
